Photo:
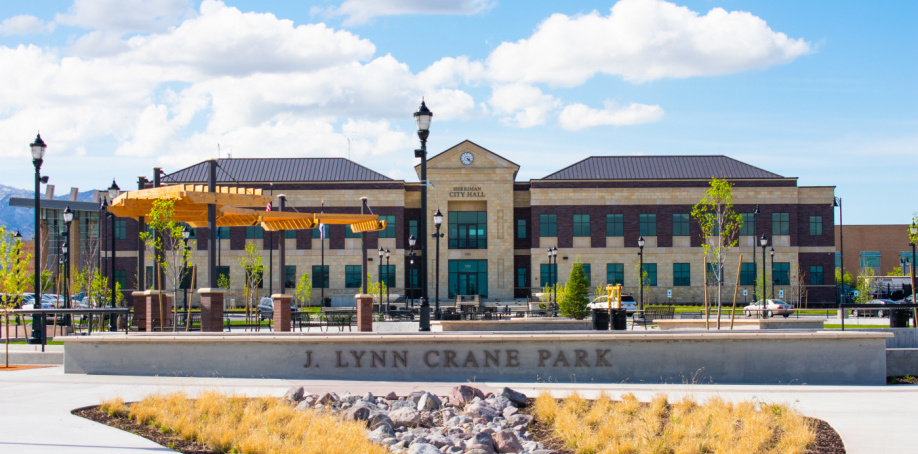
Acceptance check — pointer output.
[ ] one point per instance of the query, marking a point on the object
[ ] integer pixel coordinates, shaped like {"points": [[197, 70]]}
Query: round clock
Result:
{"points": [[467, 158]]}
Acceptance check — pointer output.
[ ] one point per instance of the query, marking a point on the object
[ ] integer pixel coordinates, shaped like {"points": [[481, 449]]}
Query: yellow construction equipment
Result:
{"points": [[614, 297]]}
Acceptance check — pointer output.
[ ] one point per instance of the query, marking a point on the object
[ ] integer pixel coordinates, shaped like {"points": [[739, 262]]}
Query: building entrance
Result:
{"points": [[468, 277]]}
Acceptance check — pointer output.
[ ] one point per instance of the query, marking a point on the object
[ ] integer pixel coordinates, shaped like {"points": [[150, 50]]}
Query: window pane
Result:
{"points": [[681, 275], [352, 276], [413, 228], [548, 225], [254, 232], [389, 231], [650, 269], [586, 271], [816, 276], [781, 273], [615, 225], [780, 224], [747, 274], [349, 233], [290, 234], [120, 230], [615, 273], [548, 275], [712, 275], [648, 224], [521, 228], [748, 227], [815, 225], [320, 276], [680, 224], [581, 225], [290, 275], [521, 278]]}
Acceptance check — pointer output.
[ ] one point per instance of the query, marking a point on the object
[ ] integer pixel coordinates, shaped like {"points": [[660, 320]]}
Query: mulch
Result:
{"points": [[827, 439], [18, 367]]}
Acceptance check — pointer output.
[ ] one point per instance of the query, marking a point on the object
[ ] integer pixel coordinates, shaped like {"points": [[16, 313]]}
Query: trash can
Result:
{"points": [[600, 320], [898, 318], [619, 319]]}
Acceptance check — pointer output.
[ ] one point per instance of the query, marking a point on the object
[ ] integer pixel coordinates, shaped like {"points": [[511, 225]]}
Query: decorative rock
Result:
{"points": [[506, 441], [481, 441], [303, 406], [481, 410], [426, 419], [415, 396], [439, 441], [428, 402], [405, 417], [383, 432], [463, 394], [358, 413], [380, 420], [518, 398], [396, 404], [423, 448], [519, 420], [294, 394], [510, 411], [391, 396], [329, 399]]}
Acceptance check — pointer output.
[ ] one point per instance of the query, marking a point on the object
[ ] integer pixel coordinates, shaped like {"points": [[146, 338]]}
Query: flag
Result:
{"points": [[322, 231], [268, 208]]}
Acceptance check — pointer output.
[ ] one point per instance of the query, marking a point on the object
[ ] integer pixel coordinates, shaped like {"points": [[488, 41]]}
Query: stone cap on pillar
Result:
{"points": [[361, 295], [211, 290], [154, 292], [138, 293], [281, 295]]}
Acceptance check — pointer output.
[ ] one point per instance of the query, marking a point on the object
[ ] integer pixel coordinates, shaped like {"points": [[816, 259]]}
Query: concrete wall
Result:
{"points": [[691, 357]]}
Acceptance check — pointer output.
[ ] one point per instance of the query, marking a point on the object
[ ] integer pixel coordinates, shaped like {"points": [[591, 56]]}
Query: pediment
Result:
{"points": [[482, 159]]}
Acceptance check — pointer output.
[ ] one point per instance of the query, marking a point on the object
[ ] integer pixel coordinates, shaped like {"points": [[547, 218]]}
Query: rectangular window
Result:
{"points": [[586, 272], [748, 227], [121, 279], [254, 232], [650, 274], [522, 277], [871, 259], [780, 272], [747, 274], [615, 273], [223, 272], [521, 228], [290, 234], [615, 225], [816, 276], [712, 276], [413, 228], [389, 231], [680, 224], [815, 225], [780, 224], [289, 276], [120, 230], [352, 276], [548, 225], [682, 276], [319, 276], [581, 225], [468, 230], [837, 260], [317, 232], [388, 275], [548, 274], [259, 278], [223, 233], [348, 233], [905, 261], [648, 224], [413, 278], [148, 278]]}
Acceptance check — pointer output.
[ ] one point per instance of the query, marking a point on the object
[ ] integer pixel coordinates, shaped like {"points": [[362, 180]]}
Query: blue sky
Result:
{"points": [[819, 90]]}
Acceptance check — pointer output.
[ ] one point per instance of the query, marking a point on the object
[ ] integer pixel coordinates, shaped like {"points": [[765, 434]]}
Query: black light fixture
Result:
{"points": [[771, 252], [67, 215], [38, 154], [113, 192], [837, 203], [438, 222], [411, 242], [764, 242], [186, 234], [641, 269], [379, 275], [387, 280], [913, 238], [423, 116]]}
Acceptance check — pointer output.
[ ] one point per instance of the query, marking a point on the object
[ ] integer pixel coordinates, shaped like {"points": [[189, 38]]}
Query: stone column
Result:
{"points": [[159, 310], [140, 310], [211, 309], [364, 313], [281, 311]]}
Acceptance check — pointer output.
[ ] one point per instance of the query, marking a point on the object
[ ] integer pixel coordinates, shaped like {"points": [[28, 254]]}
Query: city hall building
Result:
{"points": [[498, 230]]}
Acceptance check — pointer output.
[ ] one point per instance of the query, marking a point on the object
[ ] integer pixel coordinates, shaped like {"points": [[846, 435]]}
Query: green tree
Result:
{"points": [[172, 255], [376, 288], [576, 294], [14, 278], [720, 226], [303, 290], [251, 263]]}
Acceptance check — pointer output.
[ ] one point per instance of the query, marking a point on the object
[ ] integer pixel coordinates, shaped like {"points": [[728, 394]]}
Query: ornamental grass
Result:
{"points": [[604, 426], [243, 425]]}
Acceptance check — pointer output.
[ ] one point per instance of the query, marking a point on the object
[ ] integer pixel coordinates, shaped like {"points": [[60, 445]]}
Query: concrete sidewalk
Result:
{"points": [[36, 406]]}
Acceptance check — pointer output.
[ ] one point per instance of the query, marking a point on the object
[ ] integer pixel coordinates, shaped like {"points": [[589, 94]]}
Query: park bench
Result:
{"points": [[307, 320], [691, 315], [651, 314]]}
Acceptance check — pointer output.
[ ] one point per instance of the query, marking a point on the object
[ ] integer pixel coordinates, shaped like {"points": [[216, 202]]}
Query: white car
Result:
{"points": [[602, 302], [774, 307]]}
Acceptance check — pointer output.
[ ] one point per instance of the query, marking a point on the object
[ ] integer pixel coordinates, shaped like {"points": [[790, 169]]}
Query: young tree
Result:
{"points": [[251, 263], [719, 230], [14, 278], [576, 294], [303, 290], [170, 253]]}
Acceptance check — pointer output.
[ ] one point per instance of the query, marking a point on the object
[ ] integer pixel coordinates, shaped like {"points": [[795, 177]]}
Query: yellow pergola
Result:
{"points": [[191, 201]]}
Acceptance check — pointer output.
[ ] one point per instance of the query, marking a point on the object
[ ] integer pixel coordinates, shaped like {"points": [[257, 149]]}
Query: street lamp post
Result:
{"points": [[411, 241], [423, 117], [113, 192], [764, 242], [379, 275], [68, 218], [438, 221], [552, 279], [641, 269], [38, 154], [387, 281], [837, 202], [186, 233], [755, 222], [771, 252], [913, 230]]}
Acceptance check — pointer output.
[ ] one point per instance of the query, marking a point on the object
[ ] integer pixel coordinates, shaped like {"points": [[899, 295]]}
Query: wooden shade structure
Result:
{"points": [[191, 201]]}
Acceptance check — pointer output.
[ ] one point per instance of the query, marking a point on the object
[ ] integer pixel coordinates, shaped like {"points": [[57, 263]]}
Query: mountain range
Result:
{"points": [[23, 219]]}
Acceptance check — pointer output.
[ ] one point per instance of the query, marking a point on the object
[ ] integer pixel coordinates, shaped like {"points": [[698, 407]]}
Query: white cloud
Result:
{"points": [[523, 105], [126, 15], [577, 116], [361, 11], [24, 25], [643, 40]]}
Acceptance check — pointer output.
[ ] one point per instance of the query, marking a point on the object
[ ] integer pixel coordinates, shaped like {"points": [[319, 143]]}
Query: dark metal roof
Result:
{"points": [[660, 168], [256, 170], [46, 204]]}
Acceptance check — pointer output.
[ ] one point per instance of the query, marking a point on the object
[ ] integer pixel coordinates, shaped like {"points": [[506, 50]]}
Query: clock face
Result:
{"points": [[467, 158]]}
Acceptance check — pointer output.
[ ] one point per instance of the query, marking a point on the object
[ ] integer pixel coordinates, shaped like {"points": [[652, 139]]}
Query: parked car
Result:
{"points": [[874, 312], [774, 307], [602, 302]]}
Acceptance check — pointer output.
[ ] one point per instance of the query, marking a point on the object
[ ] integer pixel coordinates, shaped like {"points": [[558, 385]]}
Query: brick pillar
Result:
{"points": [[140, 310], [281, 311], [364, 313], [211, 309], [159, 310]]}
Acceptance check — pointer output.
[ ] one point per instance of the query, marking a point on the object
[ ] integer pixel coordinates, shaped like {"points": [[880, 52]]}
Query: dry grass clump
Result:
{"points": [[604, 426], [248, 425]]}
